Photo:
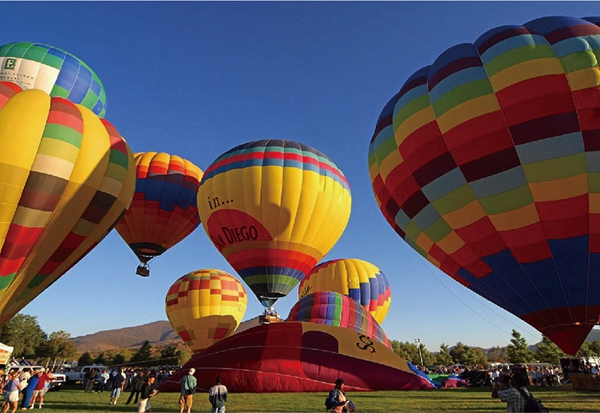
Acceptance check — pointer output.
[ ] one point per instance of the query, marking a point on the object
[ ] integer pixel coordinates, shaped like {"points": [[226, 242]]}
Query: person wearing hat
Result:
{"points": [[40, 389], [337, 398], [188, 388]]}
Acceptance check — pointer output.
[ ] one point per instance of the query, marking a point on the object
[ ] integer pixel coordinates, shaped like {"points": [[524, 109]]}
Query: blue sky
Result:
{"points": [[195, 79]]}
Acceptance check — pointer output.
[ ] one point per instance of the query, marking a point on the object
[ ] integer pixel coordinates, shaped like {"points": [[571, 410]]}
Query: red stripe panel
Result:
{"points": [[272, 257]]}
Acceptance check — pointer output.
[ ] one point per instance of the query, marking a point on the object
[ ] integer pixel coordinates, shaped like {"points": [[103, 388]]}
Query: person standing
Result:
{"points": [[118, 385], [29, 390], [136, 387], [188, 388], [217, 395], [11, 392], [146, 393], [40, 388]]}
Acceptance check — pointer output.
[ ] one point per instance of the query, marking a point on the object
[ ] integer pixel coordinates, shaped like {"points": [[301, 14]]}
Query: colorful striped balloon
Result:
{"points": [[163, 211], [335, 309], [66, 177], [56, 72], [205, 306], [273, 208], [357, 279], [487, 163]]}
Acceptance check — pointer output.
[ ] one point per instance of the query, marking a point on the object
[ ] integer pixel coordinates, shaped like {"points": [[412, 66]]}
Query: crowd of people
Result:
{"points": [[27, 386]]}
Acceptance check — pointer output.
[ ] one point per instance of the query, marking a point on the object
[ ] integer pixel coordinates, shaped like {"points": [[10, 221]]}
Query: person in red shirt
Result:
{"points": [[40, 388]]}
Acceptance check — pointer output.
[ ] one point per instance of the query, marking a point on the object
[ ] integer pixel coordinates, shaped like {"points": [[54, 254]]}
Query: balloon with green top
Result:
{"points": [[56, 72]]}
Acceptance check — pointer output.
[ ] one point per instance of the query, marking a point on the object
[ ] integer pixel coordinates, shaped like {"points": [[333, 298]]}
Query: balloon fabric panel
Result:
{"points": [[485, 162], [273, 209], [56, 72], [70, 176]]}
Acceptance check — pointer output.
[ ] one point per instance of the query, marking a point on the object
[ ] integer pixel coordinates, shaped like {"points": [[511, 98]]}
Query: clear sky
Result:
{"points": [[195, 79]]}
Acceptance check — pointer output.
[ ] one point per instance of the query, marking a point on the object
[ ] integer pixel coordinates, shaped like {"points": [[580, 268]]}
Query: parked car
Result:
{"points": [[55, 385], [79, 375]]}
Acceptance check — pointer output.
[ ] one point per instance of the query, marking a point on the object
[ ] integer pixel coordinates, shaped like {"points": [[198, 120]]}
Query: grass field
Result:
{"points": [[476, 399]]}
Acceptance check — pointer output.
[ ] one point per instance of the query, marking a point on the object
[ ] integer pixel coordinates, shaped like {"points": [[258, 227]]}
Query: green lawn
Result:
{"points": [[476, 399]]}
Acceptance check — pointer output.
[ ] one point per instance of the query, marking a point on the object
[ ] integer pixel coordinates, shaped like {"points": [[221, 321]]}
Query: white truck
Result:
{"points": [[79, 375]]}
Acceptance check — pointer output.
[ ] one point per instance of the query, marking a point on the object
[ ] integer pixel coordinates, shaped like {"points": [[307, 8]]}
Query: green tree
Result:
{"points": [[24, 334], [58, 346], [497, 355], [594, 348], [174, 355], [85, 360], [548, 352], [143, 354], [443, 358], [100, 359], [480, 357], [518, 351], [119, 357], [463, 354]]}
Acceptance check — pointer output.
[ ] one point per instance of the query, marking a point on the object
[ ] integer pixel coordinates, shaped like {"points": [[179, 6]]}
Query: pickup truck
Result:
{"points": [[79, 375], [55, 385]]}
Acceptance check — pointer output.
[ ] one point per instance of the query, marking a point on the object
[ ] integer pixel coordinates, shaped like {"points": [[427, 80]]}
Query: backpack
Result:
{"points": [[531, 403], [331, 396], [328, 405]]}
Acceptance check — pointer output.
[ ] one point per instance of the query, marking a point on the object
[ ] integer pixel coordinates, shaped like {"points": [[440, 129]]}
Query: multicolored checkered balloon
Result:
{"points": [[205, 306], [487, 163]]}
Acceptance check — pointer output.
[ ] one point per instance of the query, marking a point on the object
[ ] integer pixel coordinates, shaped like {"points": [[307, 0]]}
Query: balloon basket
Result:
{"points": [[143, 270]]}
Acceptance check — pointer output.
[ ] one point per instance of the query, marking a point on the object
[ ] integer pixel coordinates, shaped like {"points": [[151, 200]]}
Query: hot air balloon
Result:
{"points": [[335, 309], [273, 208], [357, 279], [486, 163], [205, 306], [163, 211], [300, 357], [66, 177], [56, 72]]}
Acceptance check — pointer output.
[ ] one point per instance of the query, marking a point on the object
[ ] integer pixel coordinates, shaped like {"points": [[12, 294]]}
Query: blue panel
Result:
{"points": [[68, 73], [571, 259], [365, 290], [481, 40], [81, 86], [546, 25]]}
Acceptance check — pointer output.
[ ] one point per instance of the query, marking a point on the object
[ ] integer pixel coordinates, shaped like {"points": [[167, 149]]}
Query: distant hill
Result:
{"points": [[161, 333], [158, 332]]}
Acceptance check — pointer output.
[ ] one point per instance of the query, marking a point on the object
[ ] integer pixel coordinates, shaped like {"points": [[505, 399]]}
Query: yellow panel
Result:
{"points": [[468, 214], [451, 243], [414, 122], [390, 163], [584, 78], [515, 219], [468, 110], [558, 189], [594, 203], [424, 242], [526, 70]]}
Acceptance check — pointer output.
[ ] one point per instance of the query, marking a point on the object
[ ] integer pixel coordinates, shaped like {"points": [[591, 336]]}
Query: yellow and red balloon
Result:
{"points": [[273, 208], [205, 306], [66, 177]]}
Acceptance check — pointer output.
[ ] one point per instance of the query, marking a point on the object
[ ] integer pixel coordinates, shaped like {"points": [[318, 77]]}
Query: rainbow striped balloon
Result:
{"points": [[205, 306], [273, 208], [335, 309], [357, 279], [66, 177], [487, 163]]}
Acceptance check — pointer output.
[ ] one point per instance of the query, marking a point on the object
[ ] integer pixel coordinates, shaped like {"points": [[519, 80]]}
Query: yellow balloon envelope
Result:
{"points": [[357, 279], [205, 306], [66, 177], [273, 208]]}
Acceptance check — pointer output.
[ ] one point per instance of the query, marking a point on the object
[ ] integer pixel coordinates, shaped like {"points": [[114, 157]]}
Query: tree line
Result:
{"points": [[31, 342], [517, 351]]}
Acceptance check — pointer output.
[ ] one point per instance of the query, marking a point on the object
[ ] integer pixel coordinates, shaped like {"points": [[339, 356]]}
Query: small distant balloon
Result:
{"points": [[205, 306]]}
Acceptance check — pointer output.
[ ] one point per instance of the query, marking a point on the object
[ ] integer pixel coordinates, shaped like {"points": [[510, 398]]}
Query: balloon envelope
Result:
{"points": [[487, 161], [273, 208], [357, 279], [56, 72], [163, 211], [66, 177], [334, 309], [299, 357], [205, 306]]}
